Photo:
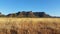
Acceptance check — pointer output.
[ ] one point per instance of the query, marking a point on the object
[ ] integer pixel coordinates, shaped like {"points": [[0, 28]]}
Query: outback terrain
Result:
{"points": [[29, 25]]}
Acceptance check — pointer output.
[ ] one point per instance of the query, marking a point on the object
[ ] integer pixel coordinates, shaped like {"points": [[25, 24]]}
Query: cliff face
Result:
{"points": [[28, 14]]}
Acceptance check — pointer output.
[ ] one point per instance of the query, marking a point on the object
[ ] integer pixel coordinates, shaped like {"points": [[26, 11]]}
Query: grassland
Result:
{"points": [[29, 25]]}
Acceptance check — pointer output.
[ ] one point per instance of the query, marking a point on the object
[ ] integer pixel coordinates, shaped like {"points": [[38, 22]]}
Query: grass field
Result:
{"points": [[29, 25]]}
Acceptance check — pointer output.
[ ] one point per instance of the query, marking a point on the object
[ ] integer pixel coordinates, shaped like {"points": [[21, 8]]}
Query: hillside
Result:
{"points": [[28, 14]]}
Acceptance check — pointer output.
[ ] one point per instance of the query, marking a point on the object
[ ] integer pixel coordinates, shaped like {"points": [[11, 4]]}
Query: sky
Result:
{"points": [[51, 7]]}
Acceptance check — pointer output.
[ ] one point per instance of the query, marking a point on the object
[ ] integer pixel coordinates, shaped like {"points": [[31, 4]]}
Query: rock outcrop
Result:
{"points": [[29, 14]]}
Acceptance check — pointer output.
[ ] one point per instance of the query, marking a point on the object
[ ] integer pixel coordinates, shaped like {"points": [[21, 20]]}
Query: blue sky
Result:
{"points": [[51, 7]]}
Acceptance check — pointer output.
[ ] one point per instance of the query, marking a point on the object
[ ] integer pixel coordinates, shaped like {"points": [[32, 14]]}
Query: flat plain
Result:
{"points": [[29, 25]]}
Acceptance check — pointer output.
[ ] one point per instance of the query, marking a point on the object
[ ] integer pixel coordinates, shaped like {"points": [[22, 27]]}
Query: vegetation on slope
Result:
{"points": [[29, 14]]}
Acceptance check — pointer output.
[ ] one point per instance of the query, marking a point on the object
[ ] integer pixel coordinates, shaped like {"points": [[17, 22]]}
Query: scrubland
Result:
{"points": [[29, 25]]}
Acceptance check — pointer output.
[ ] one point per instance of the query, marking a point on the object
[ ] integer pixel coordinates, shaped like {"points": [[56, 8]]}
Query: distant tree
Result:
{"points": [[11, 15], [14, 15], [18, 13], [0, 13]]}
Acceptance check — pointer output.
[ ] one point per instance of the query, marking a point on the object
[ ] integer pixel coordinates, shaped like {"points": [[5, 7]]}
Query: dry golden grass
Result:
{"points": [[29, 25]]}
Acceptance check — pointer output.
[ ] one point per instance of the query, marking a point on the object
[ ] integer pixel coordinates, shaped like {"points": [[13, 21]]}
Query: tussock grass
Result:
{"points": [[29, 25]]}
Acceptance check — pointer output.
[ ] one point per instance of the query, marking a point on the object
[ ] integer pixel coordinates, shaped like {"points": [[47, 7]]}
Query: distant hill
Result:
{"points": [[28, 14]]}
